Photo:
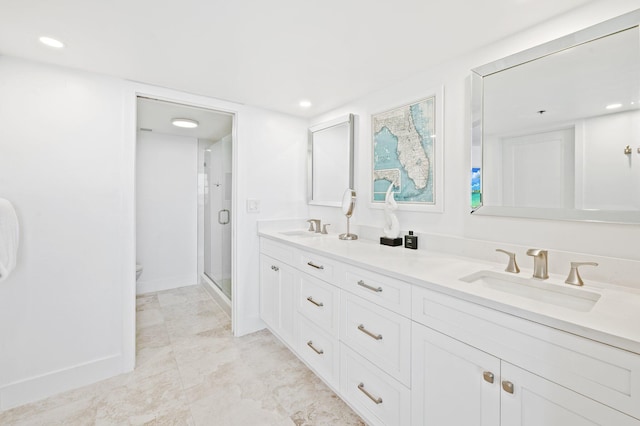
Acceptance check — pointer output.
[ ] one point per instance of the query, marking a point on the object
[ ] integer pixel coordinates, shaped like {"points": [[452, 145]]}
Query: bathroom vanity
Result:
{"points": [[414, 337]]}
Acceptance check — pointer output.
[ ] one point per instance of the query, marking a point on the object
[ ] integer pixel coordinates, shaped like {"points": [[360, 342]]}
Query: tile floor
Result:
{"points": [[191, 371]]}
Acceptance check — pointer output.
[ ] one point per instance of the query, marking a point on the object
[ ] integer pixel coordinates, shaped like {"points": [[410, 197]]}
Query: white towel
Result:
{"points": [[9, 237]]}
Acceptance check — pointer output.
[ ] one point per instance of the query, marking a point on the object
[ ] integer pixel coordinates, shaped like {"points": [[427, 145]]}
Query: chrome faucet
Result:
{"points": [[314, 225], [540, 265]]}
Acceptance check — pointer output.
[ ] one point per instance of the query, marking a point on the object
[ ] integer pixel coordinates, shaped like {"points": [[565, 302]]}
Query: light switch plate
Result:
{"points": [[253, 206]]}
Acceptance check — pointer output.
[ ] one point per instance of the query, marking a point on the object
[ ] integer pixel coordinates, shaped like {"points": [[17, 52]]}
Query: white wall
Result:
{"points": [[67, 144], [166, 211], [604, 239], [62, 165], [271, 168]]}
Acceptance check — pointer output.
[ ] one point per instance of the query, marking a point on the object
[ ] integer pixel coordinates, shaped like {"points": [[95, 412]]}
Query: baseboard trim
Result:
{"points": [[40, 387]]}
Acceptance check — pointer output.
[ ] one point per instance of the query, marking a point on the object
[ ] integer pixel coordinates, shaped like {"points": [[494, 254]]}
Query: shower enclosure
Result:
{"points": [[214, 188]]}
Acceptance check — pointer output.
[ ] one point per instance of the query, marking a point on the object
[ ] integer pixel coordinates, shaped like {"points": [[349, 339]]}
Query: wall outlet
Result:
{"points": [[253, 206]]}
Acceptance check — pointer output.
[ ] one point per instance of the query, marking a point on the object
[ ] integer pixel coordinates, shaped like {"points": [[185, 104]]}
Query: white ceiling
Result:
{"points": [[265, 53]]}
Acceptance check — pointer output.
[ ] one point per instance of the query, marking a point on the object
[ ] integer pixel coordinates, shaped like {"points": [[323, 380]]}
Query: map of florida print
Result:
{"points": [[403, 152]]}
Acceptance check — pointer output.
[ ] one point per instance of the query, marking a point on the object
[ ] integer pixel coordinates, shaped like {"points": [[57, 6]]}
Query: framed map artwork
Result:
{"points": [[407, 152]]}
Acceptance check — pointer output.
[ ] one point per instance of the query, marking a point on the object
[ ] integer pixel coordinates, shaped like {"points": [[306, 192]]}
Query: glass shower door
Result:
{"points": [[217, 215]]}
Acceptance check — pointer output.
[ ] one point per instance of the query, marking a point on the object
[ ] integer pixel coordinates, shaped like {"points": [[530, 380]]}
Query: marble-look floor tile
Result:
{"points": [[148, 317], [71, 413], [147, 301], [143, 401], [191, 370], [152, 337]]}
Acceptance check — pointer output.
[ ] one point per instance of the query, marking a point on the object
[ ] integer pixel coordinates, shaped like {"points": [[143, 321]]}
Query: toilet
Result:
{"points": [[138, 271]]}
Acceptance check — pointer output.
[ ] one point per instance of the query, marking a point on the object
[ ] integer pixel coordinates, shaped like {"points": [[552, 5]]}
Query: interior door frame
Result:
{"points": [[130, 133]]}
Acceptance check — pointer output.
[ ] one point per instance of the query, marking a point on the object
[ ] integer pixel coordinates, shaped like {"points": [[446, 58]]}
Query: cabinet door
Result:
{"points": [[277, 298], [269, 291], [453, 384], [532, 400]]}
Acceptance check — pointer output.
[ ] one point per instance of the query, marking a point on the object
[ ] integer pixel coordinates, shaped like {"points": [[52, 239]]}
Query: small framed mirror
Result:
{"points": [[330, 161]]}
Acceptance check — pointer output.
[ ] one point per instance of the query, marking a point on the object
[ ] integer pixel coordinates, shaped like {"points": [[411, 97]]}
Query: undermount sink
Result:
{"points": [[574, 298], [300, 233]]}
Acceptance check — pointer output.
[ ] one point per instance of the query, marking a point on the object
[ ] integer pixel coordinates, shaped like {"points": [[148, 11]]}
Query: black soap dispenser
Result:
{"points": [[411, 241]]}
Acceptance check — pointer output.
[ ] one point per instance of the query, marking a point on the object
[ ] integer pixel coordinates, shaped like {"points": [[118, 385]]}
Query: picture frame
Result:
{"points": [[407, 143]]}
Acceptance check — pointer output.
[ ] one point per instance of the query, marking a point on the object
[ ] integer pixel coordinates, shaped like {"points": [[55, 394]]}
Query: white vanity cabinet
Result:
{"points": [[402, 353], [510, 371], [494, 392]]}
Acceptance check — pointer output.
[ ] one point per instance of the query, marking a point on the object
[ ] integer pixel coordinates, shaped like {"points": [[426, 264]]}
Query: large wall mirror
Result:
{"points": [[330, 161], [556, 128]]}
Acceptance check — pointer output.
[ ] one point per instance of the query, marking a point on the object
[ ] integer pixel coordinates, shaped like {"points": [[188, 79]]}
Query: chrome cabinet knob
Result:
{"points": [[507, 386], [488, 376]]}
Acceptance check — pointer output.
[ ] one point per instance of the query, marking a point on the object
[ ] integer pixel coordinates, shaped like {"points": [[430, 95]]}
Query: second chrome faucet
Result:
{"points": [[540, 263], [541, 266]]}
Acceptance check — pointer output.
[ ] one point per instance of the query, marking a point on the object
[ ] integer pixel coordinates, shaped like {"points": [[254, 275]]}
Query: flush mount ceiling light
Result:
{"points": [[613, 106], [305, 104], [51, 42], [185, 123]]}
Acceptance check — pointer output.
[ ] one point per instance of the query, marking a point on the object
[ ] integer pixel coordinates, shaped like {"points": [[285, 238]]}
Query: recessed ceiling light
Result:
{"points": [[185, 123], [51, 42], [305, 104], [613, 106]]}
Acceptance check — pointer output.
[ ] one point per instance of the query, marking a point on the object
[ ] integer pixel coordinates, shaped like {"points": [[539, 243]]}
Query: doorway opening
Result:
{"points": [[184, 198]]}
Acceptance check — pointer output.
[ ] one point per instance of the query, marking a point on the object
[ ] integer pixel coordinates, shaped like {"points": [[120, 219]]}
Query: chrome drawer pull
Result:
{"points": [[507, 386], [488, 376], [275, 268], [377, 400], [368, 333], [362, 284], [313, 265], [318, 351], [319, 304]]}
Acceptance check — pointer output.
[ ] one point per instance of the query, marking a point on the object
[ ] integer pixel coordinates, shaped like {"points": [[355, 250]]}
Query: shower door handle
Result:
{"points": [[220, 221]]}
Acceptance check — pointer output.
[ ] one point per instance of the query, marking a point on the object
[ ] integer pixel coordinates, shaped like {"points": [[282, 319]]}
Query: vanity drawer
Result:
{"points": [[282, 252], [381, 336], [319, 350], [602, 372], [385, 291], [376, 395], [318, 266], [319, 302]]}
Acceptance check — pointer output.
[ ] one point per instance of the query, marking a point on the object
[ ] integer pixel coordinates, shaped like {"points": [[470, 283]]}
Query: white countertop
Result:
{"points": [[614, 319]]}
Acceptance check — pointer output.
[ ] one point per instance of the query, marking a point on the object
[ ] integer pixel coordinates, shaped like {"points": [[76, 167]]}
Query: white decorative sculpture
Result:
{"points": [[392, 227]]}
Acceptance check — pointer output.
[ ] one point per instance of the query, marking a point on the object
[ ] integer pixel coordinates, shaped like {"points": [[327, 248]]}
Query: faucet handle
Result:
{"points": [[574, 276], [512, 266], [324, 228], [312, 223]]}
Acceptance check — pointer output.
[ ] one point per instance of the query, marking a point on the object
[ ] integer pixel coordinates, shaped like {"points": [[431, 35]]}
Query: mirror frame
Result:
{"points": [[346, 119], [606, 28]]}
